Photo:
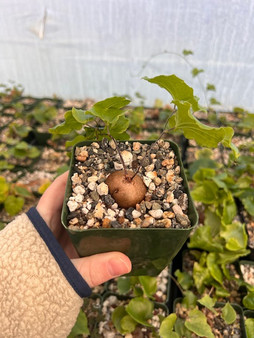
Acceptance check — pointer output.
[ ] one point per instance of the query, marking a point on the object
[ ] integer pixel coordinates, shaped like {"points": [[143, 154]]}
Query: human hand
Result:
{"points": [[95, 269]]}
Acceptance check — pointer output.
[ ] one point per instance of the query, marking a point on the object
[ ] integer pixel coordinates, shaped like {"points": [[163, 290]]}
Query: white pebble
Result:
{"points": [[147, 181], [76, 179], [136, 214], [151, 174], [156, 213], [79, 198], [72, 205], [79, 190], [92, 179], [152, 186], [102, 189], [127, 157], [92, 186], [118, 166]]}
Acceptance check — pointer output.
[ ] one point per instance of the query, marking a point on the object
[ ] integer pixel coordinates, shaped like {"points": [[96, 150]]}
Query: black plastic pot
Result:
{"points": [[149, 249]]}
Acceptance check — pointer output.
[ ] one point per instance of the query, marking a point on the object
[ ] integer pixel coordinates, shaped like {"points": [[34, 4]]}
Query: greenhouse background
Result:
{"points": [[116, 173], [97, 48]]}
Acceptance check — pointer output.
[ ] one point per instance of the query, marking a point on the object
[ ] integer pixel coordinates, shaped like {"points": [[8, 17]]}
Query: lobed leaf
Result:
{"points": [[204, 135], [208, 302], [214, 268], [184, 279], [149, 284], [196, 322], [235, 236], [177, 88], [167, 326], [202, 239]]}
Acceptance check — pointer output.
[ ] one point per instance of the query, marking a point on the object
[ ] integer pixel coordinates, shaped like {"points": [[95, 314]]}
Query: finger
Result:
{"points": [[51, 202], [53, 197], [100, 268]]}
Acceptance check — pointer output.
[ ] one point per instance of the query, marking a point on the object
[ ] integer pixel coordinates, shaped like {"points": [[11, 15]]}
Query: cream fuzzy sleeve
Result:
{"points": [[36, 298]]}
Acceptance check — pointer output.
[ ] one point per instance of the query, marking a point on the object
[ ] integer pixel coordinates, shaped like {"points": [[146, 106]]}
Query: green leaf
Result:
{"points": [[2, 226], [214, 101], [184, 279], [247, 122], [206, 193], [196, 71], [123, 285], [33, 152], [187, 52], [21, 191], [213, 221], [13, 205], [4, 189], [128, 324], [109, 110], [149, 284], [67, 126], [249, 325], [204, 174], [202, 163], [118, 314], [228, 314], [81, 116], [22, 146], [211, 87], [208, 302], [201, 276], [229, 209], [189, 300], [220, 291], [77, 139], [167, 326], [248, 301], [196, 322], [202, 239], [214, 268], [235, 236], [80, 326], [5, 165], [231, 256], [204, 135], [177, 88], [181, 330], [248, 203], [140, 309], [120, 126]]}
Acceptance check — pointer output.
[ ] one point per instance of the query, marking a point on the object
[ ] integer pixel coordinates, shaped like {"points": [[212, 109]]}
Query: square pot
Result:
{"points": [[149, 249]]}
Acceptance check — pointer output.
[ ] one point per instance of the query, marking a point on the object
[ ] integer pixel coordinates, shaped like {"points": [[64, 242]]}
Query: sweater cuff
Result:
{"points": [[65, 264]]}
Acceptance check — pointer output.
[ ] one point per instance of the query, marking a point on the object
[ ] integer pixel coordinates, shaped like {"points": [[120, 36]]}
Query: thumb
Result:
{"points": [[97, 269]]}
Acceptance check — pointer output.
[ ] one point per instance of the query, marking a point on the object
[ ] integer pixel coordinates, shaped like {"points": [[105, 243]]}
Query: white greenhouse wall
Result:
{"points": [[98, 48]]}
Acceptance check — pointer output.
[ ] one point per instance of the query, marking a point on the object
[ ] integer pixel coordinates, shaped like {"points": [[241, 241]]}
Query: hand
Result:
{"points": [[95, 269]]}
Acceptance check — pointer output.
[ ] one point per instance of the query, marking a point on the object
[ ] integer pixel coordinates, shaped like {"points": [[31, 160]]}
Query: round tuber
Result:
{"points": [[126, 188]]}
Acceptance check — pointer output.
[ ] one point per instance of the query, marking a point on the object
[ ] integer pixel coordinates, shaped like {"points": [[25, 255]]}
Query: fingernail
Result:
{"points": [[118, 266]]}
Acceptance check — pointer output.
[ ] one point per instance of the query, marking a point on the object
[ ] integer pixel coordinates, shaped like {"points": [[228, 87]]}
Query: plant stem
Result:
{"points": [[165, 125], [177, 284], [135, 173], [119, 153]]}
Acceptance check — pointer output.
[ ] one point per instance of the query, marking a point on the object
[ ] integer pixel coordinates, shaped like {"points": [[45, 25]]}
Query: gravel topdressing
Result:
{"points": [[91, 206]]}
